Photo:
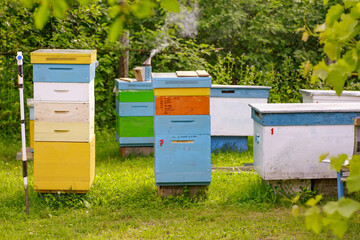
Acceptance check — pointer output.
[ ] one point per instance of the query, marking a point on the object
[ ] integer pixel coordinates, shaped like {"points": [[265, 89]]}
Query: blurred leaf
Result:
{"points": [[313, 201], [42, 14], [114, 11], [337, 78], [321, 70], [295, 210], [346, 207], [323, 156], [116, 29], [333, 14], [84, 2], [143, 9], [325, 2], [332, 50], [60, 7], [353, 181], [336, 162], [320, 28], [28, 3], [170, 5], [305, 36], [313, 219]]}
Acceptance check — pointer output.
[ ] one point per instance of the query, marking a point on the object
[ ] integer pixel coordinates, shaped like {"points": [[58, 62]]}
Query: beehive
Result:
{"points": [[289, 138], [231, 122], [182, 129], [64, 109], [134, 113], [328, 96]]}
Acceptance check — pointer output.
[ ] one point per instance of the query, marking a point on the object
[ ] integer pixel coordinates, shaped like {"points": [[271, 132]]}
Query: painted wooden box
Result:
{"points": [[63, 56], [64, 131], [64, 92], [182, 125], [182, 105], [231, 122], [64, 166], [328, 96], [182, 160], [134, 108], [64, 72], [289, 138]]}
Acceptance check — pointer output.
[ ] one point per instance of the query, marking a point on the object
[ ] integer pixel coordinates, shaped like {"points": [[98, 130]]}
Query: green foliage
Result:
{"points": [[339, 36]]}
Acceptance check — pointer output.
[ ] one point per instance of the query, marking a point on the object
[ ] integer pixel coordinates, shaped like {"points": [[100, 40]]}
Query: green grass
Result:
{"points": [[123, 203]]}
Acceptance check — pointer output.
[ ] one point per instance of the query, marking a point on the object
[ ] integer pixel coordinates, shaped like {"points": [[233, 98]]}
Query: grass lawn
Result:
{"points": [[123, 203]]}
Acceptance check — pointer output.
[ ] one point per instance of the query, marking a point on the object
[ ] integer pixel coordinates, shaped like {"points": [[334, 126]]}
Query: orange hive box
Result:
{"points": [[182, 105]]}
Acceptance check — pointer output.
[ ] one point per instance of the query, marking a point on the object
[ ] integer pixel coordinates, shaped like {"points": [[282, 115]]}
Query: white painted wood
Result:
{"points": [[292, 152], [330, 99], [232, 116], [63, 92], [63, 112], [329, 93], [239, 86], [305, 107]]}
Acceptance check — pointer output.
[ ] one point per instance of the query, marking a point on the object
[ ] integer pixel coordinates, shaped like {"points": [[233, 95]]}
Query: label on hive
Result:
{"points": [[182, 105]]}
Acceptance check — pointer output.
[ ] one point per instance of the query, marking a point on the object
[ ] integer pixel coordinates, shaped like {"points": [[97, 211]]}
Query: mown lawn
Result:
{"points": [[123, 203]]}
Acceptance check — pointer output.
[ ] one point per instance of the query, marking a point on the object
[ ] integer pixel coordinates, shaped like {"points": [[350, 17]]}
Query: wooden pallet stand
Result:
{"points": [[126, 151], [196, 191]]}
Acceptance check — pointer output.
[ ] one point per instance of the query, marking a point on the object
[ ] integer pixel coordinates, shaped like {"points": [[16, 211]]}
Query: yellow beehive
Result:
{"points": [[64, 166]]}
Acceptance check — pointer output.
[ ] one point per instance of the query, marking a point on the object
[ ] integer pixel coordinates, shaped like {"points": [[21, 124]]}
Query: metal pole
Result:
{"points": [[19, 59]]}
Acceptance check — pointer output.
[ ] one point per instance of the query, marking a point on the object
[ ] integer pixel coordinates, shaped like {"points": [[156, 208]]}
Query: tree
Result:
{"points": [[121, 11]]}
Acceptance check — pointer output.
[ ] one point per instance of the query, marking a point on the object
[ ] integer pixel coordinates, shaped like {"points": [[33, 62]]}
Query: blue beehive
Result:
{"points": [[182, 142]]}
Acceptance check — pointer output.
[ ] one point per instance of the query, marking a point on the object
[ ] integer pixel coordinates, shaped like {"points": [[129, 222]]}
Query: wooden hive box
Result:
{"points": [[231, 122], [64, 166], [289, 138]]}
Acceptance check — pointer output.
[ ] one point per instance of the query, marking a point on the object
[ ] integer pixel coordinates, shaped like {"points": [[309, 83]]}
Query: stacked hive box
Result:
{"points": [[182, 129], [64, 105], [135, 113], [231, 122]]}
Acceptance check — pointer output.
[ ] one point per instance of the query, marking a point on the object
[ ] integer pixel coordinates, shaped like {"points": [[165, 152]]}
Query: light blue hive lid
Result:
{"points": [[171, 80], [239, 91], [124, 85], [299, 114]]}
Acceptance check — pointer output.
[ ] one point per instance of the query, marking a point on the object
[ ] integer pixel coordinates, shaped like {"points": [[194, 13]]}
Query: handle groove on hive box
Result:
{"points": [[182, 121], [182, 141], [67, 69], [227, 91], [61, 90], [61, 131], [61, 112]]}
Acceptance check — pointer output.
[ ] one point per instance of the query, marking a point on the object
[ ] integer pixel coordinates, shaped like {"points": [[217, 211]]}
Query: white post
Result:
{"points": [[19, 59]]}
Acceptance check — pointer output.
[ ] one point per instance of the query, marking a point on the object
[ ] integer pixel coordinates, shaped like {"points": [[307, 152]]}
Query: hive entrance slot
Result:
{"points": [[53, 68], [227, 91]]}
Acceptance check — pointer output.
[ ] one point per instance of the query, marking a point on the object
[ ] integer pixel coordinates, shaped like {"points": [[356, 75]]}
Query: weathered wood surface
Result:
{"points": [[126, 151], [193, 191]]}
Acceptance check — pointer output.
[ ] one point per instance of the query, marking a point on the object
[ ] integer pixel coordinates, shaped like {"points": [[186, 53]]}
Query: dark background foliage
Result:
{"points": [[238, 42]]}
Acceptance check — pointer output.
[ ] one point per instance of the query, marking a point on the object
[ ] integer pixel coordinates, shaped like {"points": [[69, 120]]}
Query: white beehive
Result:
{"points": [[328, 96], [289, 138]]}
